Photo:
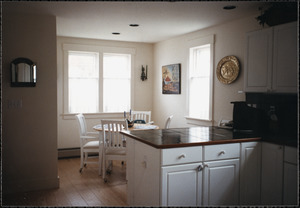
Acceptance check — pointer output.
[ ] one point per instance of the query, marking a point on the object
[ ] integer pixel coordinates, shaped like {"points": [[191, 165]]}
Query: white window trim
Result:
{"points": [[210, 39], [101, 50]]}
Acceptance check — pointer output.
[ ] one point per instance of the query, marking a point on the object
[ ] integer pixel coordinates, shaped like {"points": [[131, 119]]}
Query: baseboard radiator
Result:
{"points": [[71, 152], [68, 152]]}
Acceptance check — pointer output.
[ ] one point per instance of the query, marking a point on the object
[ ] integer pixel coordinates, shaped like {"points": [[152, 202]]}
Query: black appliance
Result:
{"points": [[247, 119]]}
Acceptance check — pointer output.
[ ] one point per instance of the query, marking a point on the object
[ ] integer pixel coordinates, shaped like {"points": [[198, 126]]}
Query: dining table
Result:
{"points": [[136, 126]]}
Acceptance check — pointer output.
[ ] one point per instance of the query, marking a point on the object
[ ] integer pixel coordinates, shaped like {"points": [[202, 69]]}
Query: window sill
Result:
{"points": [[71, 116], [197, 121]]}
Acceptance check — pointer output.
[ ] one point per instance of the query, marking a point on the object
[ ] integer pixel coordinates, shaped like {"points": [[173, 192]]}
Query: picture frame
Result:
{"points": [[171, 79]]}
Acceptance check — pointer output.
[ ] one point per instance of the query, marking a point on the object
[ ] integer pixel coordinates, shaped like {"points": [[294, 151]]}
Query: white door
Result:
{"points": [[258, 61], [221, 182], [272, 174], [182, 185], [285, 58]]}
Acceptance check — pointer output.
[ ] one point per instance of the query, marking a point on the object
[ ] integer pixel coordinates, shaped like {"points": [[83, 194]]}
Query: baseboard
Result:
{"points": [[68, 152], [22, 186]]}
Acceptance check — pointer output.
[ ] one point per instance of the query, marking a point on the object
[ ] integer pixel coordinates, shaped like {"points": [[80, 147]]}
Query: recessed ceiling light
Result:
{"points": [[134, 25], [116, 33], [229, 7]]}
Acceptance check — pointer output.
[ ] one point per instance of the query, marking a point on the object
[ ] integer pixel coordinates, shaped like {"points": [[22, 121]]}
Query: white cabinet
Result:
{"points": [[285, 58], [250, 173], [271, 60], [201, 183], [258, 61], [182, 185], [290, 180], [272, 174], [221, 182], [185, 176], [221, 174]]}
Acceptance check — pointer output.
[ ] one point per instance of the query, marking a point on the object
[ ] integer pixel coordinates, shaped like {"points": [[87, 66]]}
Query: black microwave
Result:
{"points": [[247, 119]]}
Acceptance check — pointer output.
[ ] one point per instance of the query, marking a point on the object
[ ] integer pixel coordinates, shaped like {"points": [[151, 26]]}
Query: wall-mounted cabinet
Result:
{"points": [[271, 60]]}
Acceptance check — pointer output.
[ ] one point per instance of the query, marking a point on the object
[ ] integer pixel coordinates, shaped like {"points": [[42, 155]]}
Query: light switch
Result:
{"points": [[13, 104]]}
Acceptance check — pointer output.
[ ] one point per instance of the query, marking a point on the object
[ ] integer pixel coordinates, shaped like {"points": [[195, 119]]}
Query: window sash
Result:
{"points": [[83, 79], [200, 86], [116, 82]]}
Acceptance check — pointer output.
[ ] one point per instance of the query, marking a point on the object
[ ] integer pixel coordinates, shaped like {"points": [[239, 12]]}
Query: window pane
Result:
{"points": [[116, 82], [83, 82], [116, 95], [116, 65], [199, 82], [199, 98], [83, 96]]}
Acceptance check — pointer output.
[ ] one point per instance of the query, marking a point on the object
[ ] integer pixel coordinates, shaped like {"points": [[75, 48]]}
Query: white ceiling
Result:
{"points": [[158, 20]]}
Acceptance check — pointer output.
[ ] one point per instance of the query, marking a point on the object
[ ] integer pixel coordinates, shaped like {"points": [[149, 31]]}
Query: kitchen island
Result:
{"points": [[195, 166]]}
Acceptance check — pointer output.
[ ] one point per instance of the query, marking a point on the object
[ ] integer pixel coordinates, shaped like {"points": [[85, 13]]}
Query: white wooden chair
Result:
{"points": [[142, 115], [89, 143], [114, 147], [168, 121]]}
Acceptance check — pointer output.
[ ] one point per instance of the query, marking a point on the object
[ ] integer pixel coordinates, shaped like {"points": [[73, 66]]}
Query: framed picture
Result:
{"points": [[171, 79]]}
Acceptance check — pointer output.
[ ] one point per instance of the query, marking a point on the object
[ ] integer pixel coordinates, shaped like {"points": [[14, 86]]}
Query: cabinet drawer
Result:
{"points": [[221, 151], [181, 155], [290, 154]]}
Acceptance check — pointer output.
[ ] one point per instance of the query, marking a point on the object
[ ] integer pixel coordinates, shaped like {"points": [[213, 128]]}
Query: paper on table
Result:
{"points": [[145, 127]]}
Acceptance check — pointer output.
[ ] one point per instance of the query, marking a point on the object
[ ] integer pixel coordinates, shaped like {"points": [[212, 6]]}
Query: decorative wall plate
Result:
{"points": [[228, 69]]}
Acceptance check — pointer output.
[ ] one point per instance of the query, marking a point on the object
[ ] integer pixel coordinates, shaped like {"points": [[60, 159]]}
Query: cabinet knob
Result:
{"points": [[205, 165], [181, 156], [200, 168]]}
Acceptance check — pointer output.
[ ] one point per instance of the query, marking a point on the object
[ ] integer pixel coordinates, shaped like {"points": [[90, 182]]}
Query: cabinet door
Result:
{"points": [[182, 185], [290, 184], [221, 182], [250, 173], [290, 179], [272, 174], [285, 58], [258, 61]]}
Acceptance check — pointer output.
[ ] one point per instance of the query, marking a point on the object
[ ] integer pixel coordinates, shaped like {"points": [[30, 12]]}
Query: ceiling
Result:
{"points": [[157, 21]]}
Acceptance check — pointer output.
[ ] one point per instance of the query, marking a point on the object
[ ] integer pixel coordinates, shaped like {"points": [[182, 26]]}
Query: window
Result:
{"points": [[200, 82], [116, 82], [95, 81], [83, 86]]}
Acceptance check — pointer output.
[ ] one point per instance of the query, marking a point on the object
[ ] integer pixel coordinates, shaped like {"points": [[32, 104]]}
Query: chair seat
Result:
{"points": [[115, 152], [91, 145]]}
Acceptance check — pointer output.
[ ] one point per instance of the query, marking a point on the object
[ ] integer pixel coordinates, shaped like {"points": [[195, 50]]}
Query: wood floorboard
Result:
{"points": [[77, 189]]}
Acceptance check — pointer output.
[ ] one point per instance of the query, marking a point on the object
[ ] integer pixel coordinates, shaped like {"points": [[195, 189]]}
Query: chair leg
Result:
{"points": [[100, 161], [103, 167], [81, 160]]}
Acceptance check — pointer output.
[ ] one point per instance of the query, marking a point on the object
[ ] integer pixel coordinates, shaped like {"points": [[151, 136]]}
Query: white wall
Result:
{"points": [[68, 134], [229, 40], [29, 132]]}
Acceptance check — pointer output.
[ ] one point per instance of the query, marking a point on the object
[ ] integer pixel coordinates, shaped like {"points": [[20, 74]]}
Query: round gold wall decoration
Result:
{"points": [[228, 69]]}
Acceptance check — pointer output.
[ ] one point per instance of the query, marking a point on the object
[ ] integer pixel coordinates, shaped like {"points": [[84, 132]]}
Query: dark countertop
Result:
{"points": [[193, 136], [281, 139]]}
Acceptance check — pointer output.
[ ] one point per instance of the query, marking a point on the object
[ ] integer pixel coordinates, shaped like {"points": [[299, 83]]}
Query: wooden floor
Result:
{"points": [[86, 189]]}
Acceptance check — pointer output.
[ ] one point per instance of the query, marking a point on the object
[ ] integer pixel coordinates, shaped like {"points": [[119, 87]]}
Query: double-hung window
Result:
{"points": [[200, 80], [96, 81], [116, 82]]}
